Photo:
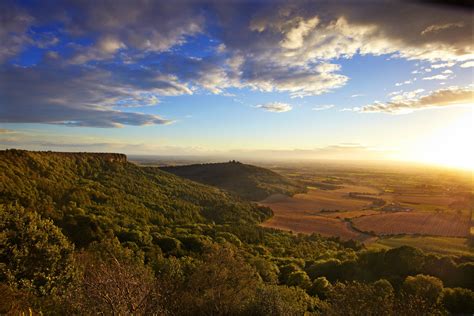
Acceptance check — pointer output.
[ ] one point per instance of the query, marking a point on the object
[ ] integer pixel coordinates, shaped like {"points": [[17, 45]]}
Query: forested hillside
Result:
{"points": [[100, 192], [250, 182], [84, 234]]}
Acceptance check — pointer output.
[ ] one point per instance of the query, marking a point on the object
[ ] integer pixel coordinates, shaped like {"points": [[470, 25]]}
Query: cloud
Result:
{"points": [[398, 84], [79, 96], [294, 38], [323, 107], [4, 131], [437, 77], [357, 95], [132, 25], [297, 81], [443, 65], [105, 48], [439, 27], [14, 23], [467, 64], [413, 101], [330, 30], [277, 107], [133, 50]]}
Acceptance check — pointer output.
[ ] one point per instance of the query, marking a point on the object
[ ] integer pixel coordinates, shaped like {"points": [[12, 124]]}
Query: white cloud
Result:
{"points": [[436, 77], [323, 107], [294, 38], [277, 107], [443, 65], [467, 64], [412, 101], [398, 84]]}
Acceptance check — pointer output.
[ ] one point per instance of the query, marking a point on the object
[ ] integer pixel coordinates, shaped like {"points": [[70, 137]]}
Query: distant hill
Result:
{"points": [[250, 182], [90, 195]]}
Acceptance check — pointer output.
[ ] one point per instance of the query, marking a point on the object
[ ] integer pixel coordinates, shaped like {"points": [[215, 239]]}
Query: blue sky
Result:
{"points": [[295, 80]]}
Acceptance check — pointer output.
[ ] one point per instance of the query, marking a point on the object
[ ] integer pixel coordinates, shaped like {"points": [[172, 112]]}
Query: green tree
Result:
{"points": [[458, 300], [428, 287], [420, 295], [300, 279], [355, 298], [221, 284], [34, 254], [267, 270], [320, 287], [279, 300]]}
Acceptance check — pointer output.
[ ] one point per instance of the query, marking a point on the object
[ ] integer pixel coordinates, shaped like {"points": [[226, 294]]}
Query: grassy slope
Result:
{"points": [[250, 182], [440, 245], [112, 192]]}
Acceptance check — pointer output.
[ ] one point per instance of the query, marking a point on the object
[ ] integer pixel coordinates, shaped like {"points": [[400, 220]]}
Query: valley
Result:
{"points": [[77, 227], [371, 205]]}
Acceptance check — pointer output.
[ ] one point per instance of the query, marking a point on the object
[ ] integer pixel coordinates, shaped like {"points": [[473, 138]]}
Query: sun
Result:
{"points": [[450, 146]]}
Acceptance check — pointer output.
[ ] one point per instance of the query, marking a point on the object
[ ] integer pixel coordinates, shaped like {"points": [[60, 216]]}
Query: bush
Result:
{"points": [[34, 254], [320, 287], [167, 244], [458, 300], [300, 279], [426, 286], [279, 300]]}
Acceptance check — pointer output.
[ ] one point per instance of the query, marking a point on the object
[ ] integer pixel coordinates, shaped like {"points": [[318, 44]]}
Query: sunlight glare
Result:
{"points": [[450, 145]]}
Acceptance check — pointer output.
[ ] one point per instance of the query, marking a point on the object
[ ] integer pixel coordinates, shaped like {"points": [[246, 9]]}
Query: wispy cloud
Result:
{"points": [[323, 107], [443, 65], [436, 77], [412, 101], [277, 107]]}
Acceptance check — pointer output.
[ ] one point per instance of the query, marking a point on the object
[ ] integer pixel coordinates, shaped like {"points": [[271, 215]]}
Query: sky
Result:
{"points": [[355, 80]]}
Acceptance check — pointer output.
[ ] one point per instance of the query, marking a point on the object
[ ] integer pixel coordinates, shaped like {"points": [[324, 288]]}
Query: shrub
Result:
{"points": [[34, 254]]}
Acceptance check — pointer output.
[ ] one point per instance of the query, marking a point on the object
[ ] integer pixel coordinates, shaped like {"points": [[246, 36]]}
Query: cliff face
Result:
{"points": [[106, 157]]}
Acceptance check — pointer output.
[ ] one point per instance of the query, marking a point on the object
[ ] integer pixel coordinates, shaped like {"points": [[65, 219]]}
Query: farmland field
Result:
{"points": [[427, 208], [316, 200], [317, 211], [424, 223], [312, 223]]}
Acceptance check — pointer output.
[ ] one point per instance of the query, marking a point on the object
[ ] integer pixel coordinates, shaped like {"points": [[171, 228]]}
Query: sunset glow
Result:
{"points": [[240, 80], [450, 145]]}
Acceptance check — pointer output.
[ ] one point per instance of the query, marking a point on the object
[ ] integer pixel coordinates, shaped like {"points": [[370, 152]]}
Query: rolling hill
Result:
{"points": [[92, 194], [249, 182]]}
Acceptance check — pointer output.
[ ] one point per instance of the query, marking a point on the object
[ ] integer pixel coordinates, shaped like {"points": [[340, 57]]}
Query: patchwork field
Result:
{"points": [[430, 209], [319, 211], [309, 224], [424, 223], [316, 200]]}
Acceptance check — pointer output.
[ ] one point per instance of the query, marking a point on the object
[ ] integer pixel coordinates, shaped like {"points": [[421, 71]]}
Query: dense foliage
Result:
{"points": [[100, 194], [148, 242], [34, 254], [250, 182]]}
